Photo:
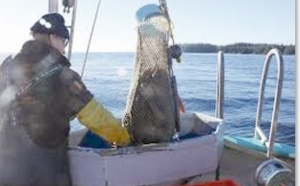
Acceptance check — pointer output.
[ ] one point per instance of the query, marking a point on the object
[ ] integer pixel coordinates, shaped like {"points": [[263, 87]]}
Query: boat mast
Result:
{"points": [[52, 6], [72, 28]]}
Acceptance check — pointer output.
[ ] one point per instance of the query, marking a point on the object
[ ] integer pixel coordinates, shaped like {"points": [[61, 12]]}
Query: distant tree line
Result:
{"points": [[237, 48]]}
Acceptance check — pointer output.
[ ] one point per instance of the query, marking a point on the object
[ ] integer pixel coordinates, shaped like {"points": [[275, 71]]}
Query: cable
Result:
{"points": [[88, 47]]}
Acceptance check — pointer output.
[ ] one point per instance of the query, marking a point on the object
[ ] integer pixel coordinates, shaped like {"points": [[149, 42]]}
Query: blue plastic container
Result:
{"points": [[147, 11]]}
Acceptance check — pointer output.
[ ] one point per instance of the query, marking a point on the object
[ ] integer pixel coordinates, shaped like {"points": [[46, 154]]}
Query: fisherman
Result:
{"points": [[39, 95]]}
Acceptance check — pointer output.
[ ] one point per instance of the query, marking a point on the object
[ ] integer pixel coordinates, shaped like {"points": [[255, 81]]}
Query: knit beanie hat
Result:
{"points": [[52, 23]]}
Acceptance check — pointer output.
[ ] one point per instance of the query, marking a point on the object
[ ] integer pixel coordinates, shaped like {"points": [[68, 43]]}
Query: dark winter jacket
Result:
{"points": [[39, 94]]}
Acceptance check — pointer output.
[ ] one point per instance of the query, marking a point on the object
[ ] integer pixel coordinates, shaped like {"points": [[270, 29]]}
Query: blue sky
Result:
{"points": [[217, 22]]}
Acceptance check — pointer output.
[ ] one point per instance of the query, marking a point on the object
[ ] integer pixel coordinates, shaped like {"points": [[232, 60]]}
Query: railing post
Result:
{"points": [[220, 86], [219, 96], [258, 132]]}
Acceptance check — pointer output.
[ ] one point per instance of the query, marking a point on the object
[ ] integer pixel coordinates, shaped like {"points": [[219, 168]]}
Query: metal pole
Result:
{"points": [[219, 96], [220, 86], [72, 31], [53, 6]]}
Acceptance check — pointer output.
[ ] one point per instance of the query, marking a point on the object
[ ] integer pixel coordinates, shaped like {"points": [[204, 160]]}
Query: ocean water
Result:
{"points": [[108, 76]]}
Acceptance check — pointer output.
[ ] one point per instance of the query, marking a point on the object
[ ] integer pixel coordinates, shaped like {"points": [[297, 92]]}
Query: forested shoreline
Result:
{"points": [[236, 48]]}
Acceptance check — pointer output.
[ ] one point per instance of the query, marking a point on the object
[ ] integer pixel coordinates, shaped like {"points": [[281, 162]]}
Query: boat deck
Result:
{"points": [[240, 165]]}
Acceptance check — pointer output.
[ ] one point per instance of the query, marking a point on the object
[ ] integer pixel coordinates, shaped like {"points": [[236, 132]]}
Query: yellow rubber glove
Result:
{"points": [[100, 121]]}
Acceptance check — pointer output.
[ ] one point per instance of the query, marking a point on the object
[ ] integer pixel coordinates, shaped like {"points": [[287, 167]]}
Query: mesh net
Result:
{"points": [[151, 115]]}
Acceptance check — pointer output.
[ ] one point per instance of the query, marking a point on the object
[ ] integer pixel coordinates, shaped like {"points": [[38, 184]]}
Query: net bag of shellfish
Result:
{"points": [[151, 114]]}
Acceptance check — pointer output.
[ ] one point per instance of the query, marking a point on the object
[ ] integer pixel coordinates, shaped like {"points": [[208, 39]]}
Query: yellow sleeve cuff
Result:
{"points": [[100, 121]]}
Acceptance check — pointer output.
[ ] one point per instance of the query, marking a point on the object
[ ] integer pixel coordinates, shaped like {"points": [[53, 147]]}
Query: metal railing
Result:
{"points": [[269, 142], [220, 86], [219, 96]]}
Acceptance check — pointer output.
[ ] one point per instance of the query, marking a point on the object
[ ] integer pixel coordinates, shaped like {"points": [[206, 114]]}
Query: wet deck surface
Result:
{"points": [[236, 166], [239, 166]]}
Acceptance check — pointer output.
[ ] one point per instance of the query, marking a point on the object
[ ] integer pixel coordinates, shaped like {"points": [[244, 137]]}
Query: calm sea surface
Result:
{"points": [[108, 77]]}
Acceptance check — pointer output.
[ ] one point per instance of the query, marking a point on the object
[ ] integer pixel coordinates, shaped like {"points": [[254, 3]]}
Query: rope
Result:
{"points": [[88, 47], [163, 5]]}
